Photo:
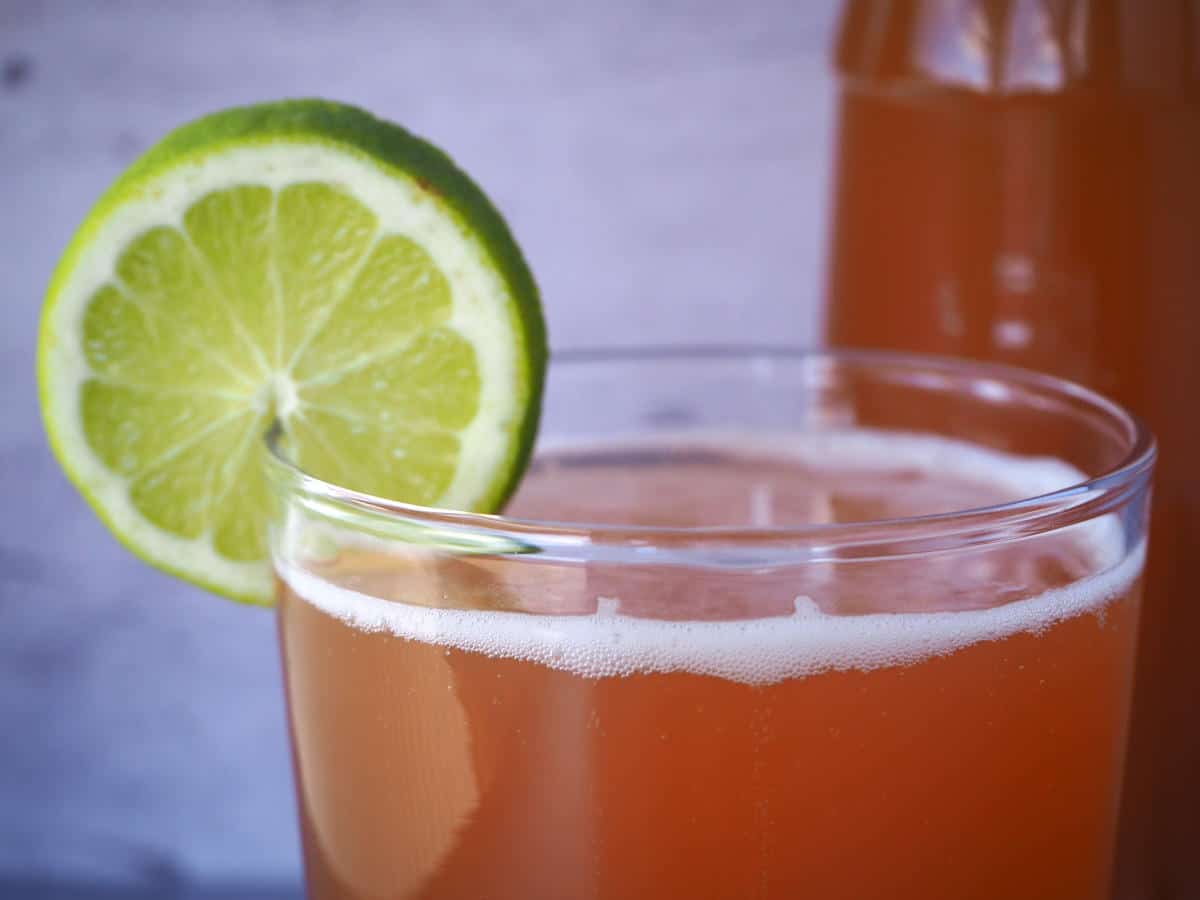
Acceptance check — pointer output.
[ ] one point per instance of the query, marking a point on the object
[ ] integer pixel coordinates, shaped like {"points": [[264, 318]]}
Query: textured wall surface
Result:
{"points": [[664, 165]]}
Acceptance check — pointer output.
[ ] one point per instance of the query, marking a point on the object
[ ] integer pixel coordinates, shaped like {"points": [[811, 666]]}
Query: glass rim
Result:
{"points": [[1035, 514]]}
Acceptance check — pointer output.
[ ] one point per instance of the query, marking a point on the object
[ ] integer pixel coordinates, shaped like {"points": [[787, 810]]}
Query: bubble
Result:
{"points": [[762, 651]]}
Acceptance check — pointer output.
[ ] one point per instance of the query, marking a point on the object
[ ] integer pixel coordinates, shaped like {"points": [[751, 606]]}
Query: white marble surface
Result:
{"points": [[665, 166]]}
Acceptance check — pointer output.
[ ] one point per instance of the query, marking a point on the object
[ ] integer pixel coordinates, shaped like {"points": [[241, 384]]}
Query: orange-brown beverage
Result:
{"points": [[1017, 181], [791, 653]]}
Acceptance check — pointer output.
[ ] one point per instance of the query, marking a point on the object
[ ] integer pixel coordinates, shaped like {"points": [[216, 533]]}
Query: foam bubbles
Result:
{"points": [[761, 651]]}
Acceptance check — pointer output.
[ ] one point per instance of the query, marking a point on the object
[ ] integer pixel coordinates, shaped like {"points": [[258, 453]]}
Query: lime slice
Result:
{"points": [[302, 261]]}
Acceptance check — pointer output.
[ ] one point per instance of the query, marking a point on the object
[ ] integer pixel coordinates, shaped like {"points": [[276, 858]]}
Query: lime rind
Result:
{"points": [[414, 191]]}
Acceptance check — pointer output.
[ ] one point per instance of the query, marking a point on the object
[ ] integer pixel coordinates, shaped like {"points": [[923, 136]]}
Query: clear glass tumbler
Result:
{"points": [[756, 624]]}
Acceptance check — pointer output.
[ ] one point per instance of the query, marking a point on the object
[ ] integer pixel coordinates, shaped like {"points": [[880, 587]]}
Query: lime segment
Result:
{"points": [[301, 262]]}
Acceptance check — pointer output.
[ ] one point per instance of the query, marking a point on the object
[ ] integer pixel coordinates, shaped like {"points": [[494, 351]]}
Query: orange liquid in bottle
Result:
{"points": [[1018, 181]]}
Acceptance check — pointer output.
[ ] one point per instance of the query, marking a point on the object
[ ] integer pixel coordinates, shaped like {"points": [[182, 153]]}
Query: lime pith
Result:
{"points": [[302, 261]]}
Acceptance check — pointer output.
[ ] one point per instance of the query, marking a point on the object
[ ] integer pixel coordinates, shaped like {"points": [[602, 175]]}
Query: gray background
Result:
{"points": [[665, 165]]}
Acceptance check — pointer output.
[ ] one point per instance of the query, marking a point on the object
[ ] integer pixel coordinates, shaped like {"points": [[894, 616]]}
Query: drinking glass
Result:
{"points": [[758, 623]]}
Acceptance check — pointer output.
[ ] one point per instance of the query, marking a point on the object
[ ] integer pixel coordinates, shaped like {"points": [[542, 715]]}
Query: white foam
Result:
{"points": [[763, 651]]}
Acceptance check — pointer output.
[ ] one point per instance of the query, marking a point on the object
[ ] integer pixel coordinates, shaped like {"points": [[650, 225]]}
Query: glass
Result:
{"points": [[757, 623], [1017, 182]]}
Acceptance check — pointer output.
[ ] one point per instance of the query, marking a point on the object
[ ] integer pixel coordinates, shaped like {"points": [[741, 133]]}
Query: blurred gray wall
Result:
{"points": [[665, 165]]}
